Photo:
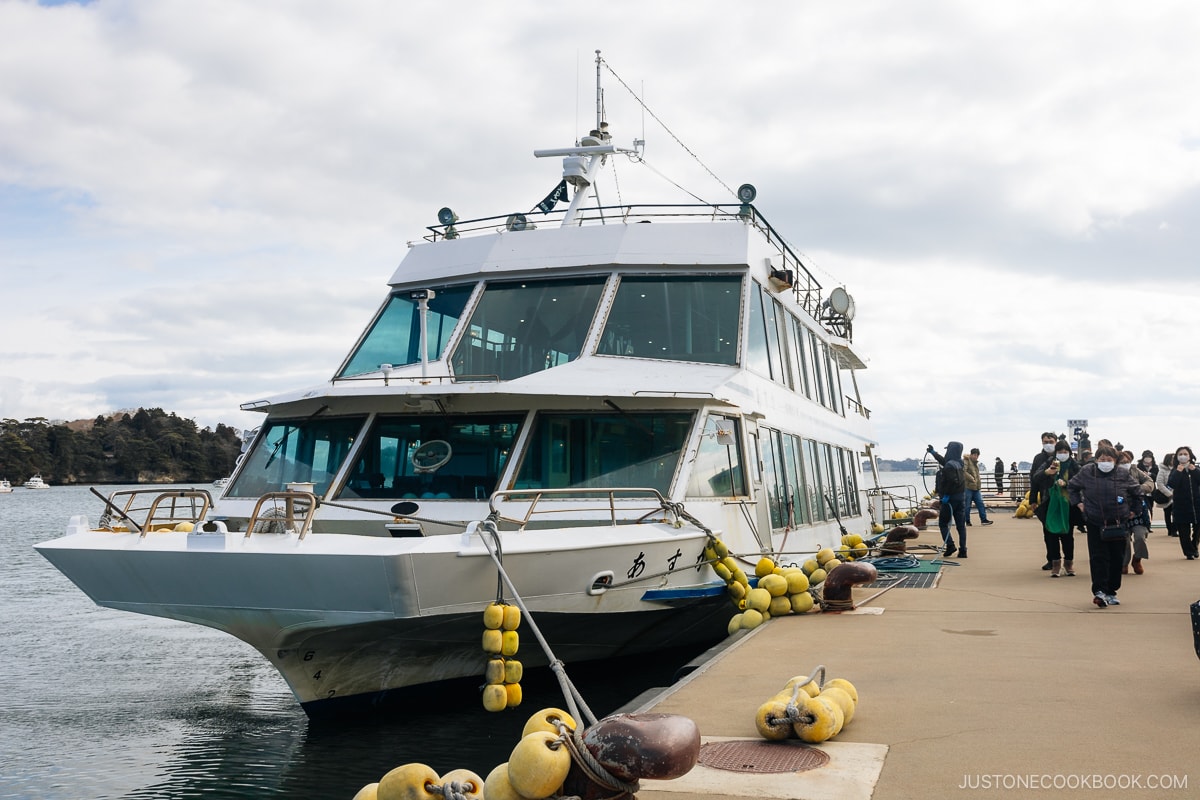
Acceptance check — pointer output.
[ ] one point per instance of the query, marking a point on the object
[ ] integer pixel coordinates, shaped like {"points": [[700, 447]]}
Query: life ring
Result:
{"points": [[431, 456]]}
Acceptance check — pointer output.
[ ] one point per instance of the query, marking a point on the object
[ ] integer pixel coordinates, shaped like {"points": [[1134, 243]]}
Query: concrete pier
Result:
{"points": [[999, 681]]}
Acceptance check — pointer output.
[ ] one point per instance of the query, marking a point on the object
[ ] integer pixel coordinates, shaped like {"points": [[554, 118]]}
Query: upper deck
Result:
{"points": [[662, 238]]}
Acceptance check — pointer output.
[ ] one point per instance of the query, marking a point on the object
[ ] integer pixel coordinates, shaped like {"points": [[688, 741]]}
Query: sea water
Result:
{"points": [[98, 704]]}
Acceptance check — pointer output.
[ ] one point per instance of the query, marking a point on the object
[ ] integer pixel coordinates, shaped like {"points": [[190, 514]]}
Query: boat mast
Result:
{"points": [[582, 162]]}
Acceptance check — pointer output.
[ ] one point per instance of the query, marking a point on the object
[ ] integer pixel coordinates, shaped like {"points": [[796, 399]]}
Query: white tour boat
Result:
{"points": [[5, 486], [592, 392], [36, 482]]}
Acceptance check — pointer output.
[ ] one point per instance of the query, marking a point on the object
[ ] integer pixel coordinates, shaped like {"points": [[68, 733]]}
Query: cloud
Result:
{"points": [[201, 203]]}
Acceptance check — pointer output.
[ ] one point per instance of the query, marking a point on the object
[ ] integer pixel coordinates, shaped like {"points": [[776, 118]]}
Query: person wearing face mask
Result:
{"points": [[1162, 493], [1149, 466], [1040, 462], [1105, 495], [1136, 550], [1055, 509], [1184, 482]]}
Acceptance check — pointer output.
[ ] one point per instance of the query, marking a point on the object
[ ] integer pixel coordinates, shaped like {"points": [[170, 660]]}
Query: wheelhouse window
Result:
{"points": [[524, 327], [717, 470], [395, 335], [296, 451], [604, 451], [439, 458], [675, 318]]}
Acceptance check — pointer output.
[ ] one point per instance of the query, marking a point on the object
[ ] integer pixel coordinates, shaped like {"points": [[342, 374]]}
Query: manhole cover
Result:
{"points": [[762, 756]]}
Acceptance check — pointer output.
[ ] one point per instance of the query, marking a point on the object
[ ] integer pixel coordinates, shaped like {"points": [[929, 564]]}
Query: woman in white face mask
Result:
{"points": [[1105, 495], [1184, 482], [1055, 511]]}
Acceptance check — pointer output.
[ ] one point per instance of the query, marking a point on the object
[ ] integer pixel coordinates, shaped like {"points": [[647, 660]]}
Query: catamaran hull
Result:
{"points": [[350, 620]]}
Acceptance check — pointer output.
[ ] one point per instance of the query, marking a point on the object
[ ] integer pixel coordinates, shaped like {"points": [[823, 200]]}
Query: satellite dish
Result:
{"points": [[839, 301], [405, 508], [746, 193], [447, 217]]}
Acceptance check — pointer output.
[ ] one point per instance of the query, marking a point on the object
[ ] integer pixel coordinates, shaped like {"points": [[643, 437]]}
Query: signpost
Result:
{"points": [[1078, 432]]}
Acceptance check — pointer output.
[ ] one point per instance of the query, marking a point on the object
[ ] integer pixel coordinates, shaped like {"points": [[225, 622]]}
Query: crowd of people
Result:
{"points": [[1105, 493]]}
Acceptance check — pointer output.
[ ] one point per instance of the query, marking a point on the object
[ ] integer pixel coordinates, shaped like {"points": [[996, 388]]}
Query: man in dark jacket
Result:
{"points": [[1040, 462], [950, 485]]}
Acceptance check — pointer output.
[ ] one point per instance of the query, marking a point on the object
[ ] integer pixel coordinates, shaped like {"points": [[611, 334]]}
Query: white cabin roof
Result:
{"points": [[659, 244]]}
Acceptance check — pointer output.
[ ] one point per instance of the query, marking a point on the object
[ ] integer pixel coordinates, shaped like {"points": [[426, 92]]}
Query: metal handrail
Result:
{"points": [[127, 502], [610, 495], [806, 288], [297, 507]]}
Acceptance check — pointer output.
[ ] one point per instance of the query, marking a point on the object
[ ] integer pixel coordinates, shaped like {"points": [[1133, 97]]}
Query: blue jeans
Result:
{"points": [[957, 508], [976, 496]]}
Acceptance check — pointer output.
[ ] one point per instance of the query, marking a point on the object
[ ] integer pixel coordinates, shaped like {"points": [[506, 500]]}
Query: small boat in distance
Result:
{"points": [[595, 394], [5, 486], [36, 482]]}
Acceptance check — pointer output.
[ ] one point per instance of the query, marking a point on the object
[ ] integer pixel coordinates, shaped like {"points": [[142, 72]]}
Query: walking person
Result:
{"points": [[1056, 512], [1150, 467], [1162, 493], [1136, 550], [1040, 461], [998, 471], [974, 486], [1012, 482], [1184, 480], [950, 485], [1104, 494]]}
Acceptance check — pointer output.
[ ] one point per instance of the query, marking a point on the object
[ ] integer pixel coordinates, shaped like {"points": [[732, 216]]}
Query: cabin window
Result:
{"points": [[847, 498], [794, 468], [296, 451], [717, 470], [604, 451], [835, 381], [395, 335], [675, 319], [525, 327], [773, 479], [814, 484], [799, 364], [398, 456], [820, 367], [758, 355]]}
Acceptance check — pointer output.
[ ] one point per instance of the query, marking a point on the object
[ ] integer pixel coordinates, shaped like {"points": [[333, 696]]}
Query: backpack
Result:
{"points": [[950, 480]]}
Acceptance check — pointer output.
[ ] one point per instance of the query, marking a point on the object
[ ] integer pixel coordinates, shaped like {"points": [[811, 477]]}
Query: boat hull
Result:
{"points": [[350, 621]]}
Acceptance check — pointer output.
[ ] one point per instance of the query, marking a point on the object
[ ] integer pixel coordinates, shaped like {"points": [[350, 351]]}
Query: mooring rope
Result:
{"points": [[574, 700]]}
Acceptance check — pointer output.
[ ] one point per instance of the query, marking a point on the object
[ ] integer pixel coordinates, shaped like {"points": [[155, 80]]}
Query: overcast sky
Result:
{"points": [[201, 202]]}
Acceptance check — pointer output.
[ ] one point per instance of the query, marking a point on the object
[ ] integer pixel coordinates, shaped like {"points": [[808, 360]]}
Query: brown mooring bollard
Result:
{"points": [[635, 746]]}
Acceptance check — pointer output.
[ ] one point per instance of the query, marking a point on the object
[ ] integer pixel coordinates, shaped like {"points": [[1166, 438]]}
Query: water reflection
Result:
{"points": [[102, 704]]}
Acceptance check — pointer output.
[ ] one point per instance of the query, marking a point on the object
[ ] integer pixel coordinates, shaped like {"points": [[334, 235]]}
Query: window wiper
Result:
{"points": [[283, 439]]}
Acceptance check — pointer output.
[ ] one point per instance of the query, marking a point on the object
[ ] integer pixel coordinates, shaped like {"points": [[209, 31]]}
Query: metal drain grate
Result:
{"points": [[912, 580], [762, 756]]}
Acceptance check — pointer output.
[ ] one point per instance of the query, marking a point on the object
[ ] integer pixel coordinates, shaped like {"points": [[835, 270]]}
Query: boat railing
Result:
{"points": [[154, 510], [804, 285], [893, 505], [620, 505], [283, 512]]}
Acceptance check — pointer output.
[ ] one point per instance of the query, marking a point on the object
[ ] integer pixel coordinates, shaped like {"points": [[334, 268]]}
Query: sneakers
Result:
{"points": [[1112, 600], [1100, 599], [987, 522]]}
